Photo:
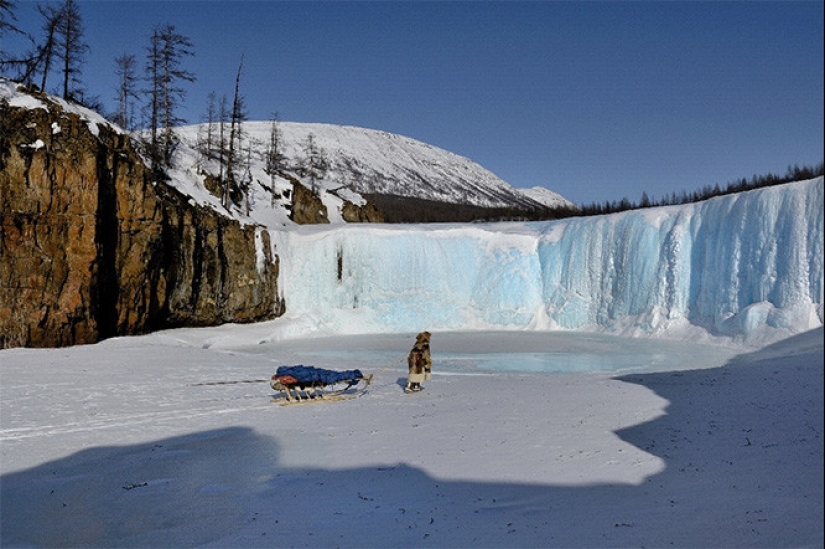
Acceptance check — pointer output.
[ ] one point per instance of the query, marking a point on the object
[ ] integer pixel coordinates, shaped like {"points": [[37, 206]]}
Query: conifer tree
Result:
{"points": [[165, 54], [7, 17], [274, 157], [314, 161], [127, 90], [71, 48], [238, 117]]}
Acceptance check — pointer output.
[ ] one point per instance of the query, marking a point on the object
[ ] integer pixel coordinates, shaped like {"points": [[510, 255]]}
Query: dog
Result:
{"points": [[420, 363]]}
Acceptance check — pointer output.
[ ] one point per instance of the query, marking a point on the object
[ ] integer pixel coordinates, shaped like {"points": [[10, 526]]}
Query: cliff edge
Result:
{"points": [[92, 246]]}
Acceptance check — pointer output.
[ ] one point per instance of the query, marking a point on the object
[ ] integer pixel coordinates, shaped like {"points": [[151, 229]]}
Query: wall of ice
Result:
{"points": [[741, 265]]}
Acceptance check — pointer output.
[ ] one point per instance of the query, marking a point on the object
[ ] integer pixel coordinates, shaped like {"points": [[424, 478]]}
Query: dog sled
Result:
{"points": [[307, 384]]}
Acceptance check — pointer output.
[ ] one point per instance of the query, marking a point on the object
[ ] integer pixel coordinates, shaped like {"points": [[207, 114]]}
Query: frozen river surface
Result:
{"points": [[517, 352]]}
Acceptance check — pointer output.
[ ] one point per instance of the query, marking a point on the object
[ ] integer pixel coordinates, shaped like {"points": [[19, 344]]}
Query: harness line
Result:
{"points": [[237, 381]]}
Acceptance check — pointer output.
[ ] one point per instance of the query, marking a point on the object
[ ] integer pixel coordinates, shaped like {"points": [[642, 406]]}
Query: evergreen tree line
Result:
{"points": [[794, 173], [403, 209], [407, 209]]}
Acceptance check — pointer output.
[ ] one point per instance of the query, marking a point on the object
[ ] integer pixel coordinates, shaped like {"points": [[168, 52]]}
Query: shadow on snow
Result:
{"points": [[750, 478]]}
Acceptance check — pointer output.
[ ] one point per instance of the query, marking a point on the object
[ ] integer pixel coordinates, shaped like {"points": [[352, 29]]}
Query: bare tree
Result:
{"points": [[314, 161], [246, 180], [153, 71], [206, 143], [174, 48], [46, 51], [238, 116], [62, 40], [8, 62], [127, 90], [223, 116], [7, 17], [274, 157], [71, 48], [39, 60], [165, 53]]}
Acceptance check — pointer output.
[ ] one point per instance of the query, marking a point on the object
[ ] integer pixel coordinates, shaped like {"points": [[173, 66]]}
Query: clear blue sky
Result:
{"points": [[594, 100]]}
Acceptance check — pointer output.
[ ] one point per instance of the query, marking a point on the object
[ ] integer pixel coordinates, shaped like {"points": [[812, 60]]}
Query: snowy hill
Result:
{"points": [[359, 161], [545, 196]]}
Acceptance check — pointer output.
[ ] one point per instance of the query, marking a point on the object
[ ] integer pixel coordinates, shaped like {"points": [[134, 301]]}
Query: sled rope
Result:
{"points": [[234, 382], [393, 365], [238, 381]]}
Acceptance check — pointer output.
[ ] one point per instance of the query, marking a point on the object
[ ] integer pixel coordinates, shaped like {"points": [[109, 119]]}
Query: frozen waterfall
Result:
{"points": [[737, 265]]}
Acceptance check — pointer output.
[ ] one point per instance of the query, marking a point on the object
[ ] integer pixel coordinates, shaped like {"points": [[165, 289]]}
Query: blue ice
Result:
{"points": [[739, 266]]}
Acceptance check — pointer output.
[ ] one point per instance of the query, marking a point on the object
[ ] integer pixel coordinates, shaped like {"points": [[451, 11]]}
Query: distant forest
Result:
{"points": [[404, 209], [794, 173], [407, 209], [61, 48]]}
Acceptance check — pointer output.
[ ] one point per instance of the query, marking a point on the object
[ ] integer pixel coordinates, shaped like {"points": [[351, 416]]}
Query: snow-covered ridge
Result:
{"points": [[549, 198], [363, 161], [748, 266], [374, 161]]}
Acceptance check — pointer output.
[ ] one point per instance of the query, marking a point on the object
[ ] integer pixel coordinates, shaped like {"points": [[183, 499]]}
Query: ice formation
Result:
{"points": [[734, 266]]}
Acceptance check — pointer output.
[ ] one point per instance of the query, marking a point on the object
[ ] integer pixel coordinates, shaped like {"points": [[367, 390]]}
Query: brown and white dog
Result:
{"points": [[419, 362]]}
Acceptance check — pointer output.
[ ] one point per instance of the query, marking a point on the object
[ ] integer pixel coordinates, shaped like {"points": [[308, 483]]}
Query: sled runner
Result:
{"points": [[306, 384]]}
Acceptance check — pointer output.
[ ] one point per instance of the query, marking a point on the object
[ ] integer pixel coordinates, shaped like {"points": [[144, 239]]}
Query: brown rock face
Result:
{"points": [[307, 207], [214, 267], [368, 213], [92, 247]]}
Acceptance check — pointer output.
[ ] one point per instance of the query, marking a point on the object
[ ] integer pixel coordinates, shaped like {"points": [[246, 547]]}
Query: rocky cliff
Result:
{"points": [[91, 246]]}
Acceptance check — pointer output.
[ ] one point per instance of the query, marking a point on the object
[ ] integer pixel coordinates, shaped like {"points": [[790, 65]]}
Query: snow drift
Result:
{"points": [[742, 266]]}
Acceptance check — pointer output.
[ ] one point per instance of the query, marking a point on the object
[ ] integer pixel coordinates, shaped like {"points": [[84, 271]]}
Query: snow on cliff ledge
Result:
{"points": [[17, 96]]}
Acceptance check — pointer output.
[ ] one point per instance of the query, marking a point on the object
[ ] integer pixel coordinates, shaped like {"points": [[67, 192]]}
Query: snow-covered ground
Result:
{"points": [[134, 442]]}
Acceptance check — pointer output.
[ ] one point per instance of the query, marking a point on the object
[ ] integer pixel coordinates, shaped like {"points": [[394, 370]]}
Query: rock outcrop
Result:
{"points": [[307, 207], [368, 213], [91, 246]]}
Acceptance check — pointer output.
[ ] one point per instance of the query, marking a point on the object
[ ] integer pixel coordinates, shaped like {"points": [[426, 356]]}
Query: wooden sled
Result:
{"points": [[307, 384]]}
